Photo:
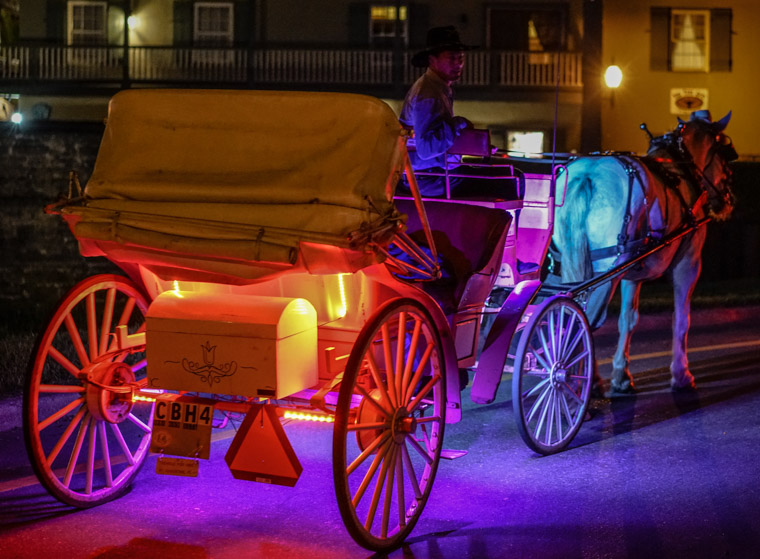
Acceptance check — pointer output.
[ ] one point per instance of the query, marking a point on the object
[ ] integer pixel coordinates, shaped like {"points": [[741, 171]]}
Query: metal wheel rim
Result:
{"points": [[394, 462], [553, 372], [81, 458]]}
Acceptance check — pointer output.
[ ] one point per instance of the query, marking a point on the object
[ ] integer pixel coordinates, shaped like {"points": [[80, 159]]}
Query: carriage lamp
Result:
{"points": [[613, 76]]}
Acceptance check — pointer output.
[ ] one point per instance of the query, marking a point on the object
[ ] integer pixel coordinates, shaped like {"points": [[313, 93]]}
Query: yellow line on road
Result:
{"points": [[655, 354]]}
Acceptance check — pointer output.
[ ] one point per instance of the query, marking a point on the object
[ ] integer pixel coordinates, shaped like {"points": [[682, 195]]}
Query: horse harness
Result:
{"points": [[625, 246]]}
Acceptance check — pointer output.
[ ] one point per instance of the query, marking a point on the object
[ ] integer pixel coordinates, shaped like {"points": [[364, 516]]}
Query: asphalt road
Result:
{"points": [[651, 475]]}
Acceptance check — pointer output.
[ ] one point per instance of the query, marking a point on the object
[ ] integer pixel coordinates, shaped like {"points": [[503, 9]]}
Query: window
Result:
{"points": [[690, 40], [87, 23], [213, 24], [382, 25], [535, 29]]}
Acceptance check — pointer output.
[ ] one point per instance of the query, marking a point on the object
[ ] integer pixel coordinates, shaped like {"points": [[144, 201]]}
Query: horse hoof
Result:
{"points": [[621, 390], [689, 387], [598, 391]]}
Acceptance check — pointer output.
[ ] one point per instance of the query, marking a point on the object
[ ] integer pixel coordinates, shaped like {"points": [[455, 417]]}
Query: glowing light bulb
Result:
{"points": [[16, 118], [613, 76]]}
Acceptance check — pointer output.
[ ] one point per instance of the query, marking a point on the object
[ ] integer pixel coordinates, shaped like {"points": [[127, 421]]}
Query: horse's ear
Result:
{"points": [[723, 122]]}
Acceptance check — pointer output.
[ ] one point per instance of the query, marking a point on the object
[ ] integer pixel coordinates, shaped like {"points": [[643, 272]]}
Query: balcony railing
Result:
{"points": [[270, 66]]}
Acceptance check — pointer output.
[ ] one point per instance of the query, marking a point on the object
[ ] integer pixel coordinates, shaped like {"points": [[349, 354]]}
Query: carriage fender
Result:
{"points": [[496, 348]]}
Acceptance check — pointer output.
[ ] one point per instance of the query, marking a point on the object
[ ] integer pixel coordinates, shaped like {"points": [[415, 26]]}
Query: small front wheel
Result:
{"points": [[552, 375], [389, 424], [85, 436]]}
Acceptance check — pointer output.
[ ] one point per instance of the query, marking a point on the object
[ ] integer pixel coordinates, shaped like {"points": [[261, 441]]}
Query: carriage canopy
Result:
{"points": [[206, 171]]}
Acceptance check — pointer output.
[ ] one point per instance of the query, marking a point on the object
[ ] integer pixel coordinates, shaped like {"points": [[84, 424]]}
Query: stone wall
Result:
{"points": [[40, 259]]}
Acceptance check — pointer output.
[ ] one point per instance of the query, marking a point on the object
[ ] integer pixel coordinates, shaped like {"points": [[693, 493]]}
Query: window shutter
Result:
{"points": [[419, 21], [358, 24], [243, 23], [183, 24], [659, 40], [720, 40], [56, 20]]}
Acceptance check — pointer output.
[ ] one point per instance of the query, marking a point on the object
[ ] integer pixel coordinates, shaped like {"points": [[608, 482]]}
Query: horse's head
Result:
{"points": [[703, 142]]}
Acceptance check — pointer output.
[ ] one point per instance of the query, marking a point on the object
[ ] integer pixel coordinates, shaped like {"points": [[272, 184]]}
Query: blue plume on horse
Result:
{"points": [[705, 116]]}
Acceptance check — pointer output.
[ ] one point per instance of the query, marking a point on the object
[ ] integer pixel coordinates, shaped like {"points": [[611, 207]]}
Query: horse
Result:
{"points": [[617, 206]]}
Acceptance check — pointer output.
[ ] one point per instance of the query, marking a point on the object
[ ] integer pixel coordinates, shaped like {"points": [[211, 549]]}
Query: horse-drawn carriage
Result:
{"points": [[270, 273]]}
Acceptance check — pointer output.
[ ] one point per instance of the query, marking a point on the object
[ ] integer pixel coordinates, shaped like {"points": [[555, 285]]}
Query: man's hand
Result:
{"points": [[460, 123]]}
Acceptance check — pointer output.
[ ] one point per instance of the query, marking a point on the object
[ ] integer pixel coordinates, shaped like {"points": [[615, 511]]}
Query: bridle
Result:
{"points": [[721, 146]]}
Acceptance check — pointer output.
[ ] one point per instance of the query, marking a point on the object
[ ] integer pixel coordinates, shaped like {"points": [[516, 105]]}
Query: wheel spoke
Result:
{"points": [[410, 472], [577, 358], [91, 456], [105, 328], [400, 487], [366, 426], [544, 411], [77, 450], [367, 451], [418, 372], [573, 345], [398, 373], [375, 372], [537, 387], [550, 416], [410, 359], [143, 427], [76, 340], [418, 447], [537, 404], [424, 392], [378, 489], [105, 452], [372, 401], [65, 436], [389, 364], [388, 491], [61, 389], [572, 393], [566, 409], [367, 479], [60, 413], [123, 444], [92, 328], [63, 361], [540, 358], [544, 343], [567, 334]]}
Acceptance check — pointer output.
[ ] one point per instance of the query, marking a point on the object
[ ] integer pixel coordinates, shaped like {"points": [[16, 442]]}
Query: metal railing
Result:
{"points": [[273, 66]]}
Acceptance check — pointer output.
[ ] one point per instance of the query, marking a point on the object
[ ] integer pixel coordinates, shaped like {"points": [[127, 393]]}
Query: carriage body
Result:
{"points": [[270, 271]]}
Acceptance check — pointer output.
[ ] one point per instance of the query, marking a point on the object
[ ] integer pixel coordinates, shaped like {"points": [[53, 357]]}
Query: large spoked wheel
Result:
{"points": [[552, 376], [389, 424], [85, 436]]}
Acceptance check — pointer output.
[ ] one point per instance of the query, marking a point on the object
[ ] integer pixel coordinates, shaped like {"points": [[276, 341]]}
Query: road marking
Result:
{"points": [[655, 354]]}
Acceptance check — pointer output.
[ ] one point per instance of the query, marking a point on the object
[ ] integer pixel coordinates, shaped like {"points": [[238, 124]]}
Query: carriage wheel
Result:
{"points": [[553, 372], [389, 424], [85, 442]]}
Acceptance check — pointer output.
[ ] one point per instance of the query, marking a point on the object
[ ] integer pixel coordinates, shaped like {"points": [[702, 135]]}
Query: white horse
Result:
{"points": [[616, 206]]}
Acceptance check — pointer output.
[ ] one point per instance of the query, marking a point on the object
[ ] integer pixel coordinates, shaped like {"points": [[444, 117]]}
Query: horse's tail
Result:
{"points": [[576, 256]]}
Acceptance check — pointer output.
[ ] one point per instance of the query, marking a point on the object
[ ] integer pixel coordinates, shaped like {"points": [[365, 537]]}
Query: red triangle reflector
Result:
{"points": [[261, 450]]}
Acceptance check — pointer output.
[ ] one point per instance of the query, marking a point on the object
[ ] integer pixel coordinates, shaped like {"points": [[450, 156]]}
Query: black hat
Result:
{"points": [[439, 39]]}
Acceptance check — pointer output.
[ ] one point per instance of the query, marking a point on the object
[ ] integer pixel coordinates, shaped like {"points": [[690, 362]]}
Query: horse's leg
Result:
{"points": [[685, 275], [621, 380]]}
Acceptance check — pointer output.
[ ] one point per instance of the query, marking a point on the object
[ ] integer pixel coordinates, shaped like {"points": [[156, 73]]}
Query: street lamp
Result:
{"points": [[613, 76]]}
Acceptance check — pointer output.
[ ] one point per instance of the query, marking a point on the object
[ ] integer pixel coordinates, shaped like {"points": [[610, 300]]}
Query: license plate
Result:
{"points": [[182, 426]]}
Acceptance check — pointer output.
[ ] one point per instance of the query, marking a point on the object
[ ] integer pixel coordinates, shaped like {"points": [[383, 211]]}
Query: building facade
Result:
{"points": [[69, 56]]}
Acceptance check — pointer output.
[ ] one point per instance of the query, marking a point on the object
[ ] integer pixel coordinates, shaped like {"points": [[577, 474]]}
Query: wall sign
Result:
{"points": [[684, 100]]}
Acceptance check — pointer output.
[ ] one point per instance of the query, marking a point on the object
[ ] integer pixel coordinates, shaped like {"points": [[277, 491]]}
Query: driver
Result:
{"points": [[428, 109]]}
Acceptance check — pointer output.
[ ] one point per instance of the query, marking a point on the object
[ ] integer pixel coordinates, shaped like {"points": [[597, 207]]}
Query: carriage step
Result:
{"points": [[447, 454]]}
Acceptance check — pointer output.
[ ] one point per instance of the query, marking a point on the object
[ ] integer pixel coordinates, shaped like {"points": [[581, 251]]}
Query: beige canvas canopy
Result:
{"points": [[240, 175]]}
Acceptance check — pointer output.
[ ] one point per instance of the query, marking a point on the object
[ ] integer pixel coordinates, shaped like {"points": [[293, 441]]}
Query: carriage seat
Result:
{"points": [[470, 241]]}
